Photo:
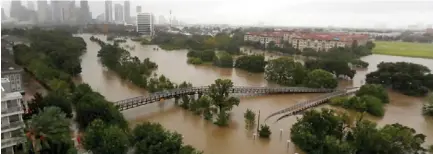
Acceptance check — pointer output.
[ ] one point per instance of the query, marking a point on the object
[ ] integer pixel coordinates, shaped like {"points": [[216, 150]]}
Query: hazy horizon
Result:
{"points": [[311, 13]]}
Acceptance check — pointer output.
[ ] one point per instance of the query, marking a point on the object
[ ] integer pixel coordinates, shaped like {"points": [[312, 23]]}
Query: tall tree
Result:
{"points": [[221, 99]]}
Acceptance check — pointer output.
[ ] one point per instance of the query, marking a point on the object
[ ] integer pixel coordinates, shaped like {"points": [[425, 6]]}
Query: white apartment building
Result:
{"points": [[145, 24], [12, 123], [316, 41], [265, 38]]}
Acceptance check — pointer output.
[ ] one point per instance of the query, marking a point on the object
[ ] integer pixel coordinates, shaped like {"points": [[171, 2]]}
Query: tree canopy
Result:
{"points": [[221, 41], [101, 139], [370, 98], [91, 105], [407, 78], [53, 56], [251, 63], [287, 72], [48, 132], [328, 132], [221, 99], [153, 138], [319, 78], [336, 67], [223, 59], [374, 90]]}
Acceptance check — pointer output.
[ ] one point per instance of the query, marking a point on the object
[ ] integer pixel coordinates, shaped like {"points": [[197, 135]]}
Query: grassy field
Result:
{"points": [[407, 49]]}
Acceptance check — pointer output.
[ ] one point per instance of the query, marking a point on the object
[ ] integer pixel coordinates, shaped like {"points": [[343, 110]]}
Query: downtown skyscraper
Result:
{"points": [[127, 11], [84, 14], [44, 13], [16, 9], [31, 5], [108, 11], [3, 15], [118, 13]]}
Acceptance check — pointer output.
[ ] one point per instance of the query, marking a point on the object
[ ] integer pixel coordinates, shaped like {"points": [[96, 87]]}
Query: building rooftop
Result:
{"points": [[8, 65]]}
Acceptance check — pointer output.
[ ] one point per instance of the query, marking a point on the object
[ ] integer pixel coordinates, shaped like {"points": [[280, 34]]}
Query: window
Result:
{"points": [[16, 133], [14, 118], [12, 103], [3, 137]]}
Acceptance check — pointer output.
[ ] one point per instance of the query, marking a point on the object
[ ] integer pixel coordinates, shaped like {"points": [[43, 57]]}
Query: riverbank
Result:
{"points": [[405, 49]]}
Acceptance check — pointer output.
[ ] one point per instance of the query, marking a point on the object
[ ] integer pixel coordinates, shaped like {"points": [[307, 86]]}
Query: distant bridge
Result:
{"points": [[302, 106], [154, 97]]}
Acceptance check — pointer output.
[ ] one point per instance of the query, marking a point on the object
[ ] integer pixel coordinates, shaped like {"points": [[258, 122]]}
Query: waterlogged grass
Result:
{"points": [[406, 49]]}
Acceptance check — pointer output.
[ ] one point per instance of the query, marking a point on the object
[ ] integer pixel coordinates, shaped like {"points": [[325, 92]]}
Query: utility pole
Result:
{"points": [[258, 123]]}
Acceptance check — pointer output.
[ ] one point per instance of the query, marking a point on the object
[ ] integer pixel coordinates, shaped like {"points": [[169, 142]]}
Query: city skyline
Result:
{"points": [[310, 13]]}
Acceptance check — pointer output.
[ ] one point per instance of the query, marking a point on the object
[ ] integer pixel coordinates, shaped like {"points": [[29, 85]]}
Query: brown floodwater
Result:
{"points": [[234, 139]]}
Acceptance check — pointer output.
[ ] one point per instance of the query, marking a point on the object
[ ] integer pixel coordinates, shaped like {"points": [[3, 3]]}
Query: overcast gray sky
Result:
{"points": [[345, 13]]}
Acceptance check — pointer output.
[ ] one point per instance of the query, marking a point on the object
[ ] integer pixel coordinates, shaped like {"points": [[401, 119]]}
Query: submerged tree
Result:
{"points": [[250, 118], [219, 92], [265, 131]]}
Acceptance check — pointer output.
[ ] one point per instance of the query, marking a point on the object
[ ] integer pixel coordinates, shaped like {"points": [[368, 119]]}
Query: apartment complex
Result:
{"points": [[301, 40], [145, 24], [12, 123], [265, 37]]}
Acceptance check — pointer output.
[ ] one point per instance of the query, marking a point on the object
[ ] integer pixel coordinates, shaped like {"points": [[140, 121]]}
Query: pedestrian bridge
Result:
{"points": [[173, 93], [304, 105]]}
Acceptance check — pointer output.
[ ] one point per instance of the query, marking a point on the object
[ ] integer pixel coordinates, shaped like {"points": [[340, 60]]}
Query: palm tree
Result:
{"points": [[48, 132]]}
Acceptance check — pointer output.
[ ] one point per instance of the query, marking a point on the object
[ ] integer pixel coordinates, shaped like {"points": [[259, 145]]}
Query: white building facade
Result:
{"points": [[12, 124], [145, 24]]}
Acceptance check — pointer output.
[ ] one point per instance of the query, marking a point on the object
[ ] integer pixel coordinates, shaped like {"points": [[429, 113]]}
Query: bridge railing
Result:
{"points": [[135, 101], [319, 98]]}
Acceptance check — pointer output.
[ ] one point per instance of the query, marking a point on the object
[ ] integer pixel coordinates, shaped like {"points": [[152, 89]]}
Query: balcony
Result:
{"points": [[16, 124], [12, 141], [11, 110]]}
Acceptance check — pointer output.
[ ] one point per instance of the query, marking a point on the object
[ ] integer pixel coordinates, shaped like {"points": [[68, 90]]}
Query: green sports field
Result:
{"points": [[407, 49]]}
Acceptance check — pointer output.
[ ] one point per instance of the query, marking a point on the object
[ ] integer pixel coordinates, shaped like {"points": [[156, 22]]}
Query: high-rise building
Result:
{"points": [[138, 9], [12, 120], [162, 20], [127, 11], [145, 24], [31, 5], [64, 12], [57, 12], [84, 14], [43, 11], [16, 9], [108, 11], [118, 13], [3, 14]]}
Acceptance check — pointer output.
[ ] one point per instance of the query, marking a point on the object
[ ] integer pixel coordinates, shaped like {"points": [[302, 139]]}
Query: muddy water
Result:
{"points": [[234, 139]]}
